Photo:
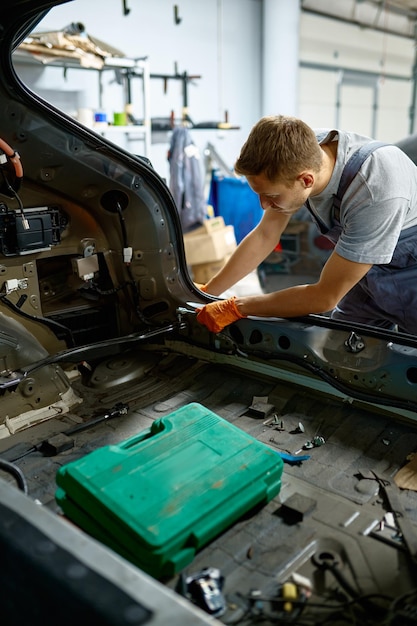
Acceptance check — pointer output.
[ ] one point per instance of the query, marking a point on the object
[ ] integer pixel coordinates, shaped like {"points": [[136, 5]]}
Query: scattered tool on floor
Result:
{"points": [[63, 441]]}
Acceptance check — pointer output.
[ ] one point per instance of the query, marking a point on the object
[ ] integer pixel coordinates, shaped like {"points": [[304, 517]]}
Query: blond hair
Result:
{"points": [[280, 147]]}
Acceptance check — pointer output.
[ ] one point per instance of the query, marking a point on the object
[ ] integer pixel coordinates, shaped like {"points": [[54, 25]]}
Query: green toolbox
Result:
{"points": [[160, 496]]}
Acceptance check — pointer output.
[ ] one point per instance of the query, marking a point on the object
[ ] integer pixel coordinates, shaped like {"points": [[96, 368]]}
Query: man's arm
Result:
{"points": [[337, 278], [251, 251]]}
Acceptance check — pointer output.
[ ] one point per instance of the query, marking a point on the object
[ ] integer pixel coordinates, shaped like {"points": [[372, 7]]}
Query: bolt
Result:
{"points": [[300, 428]]}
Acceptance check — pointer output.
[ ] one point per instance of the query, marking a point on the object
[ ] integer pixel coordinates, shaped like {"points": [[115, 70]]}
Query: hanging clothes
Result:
{"points": [[186, 181]]}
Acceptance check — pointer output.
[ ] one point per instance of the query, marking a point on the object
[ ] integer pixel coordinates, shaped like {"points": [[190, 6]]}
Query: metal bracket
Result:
{"points": [[354, 343]]}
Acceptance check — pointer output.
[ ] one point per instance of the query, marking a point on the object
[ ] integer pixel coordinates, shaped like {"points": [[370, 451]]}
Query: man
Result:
{"points": [[371, 274]]}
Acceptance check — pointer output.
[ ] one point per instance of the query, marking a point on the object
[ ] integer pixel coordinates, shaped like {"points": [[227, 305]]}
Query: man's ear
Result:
{"points": [[306, 179]]}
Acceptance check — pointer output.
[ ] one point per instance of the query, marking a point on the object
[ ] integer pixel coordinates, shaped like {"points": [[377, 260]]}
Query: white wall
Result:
{"points": [[217, 40], [221, 40]]}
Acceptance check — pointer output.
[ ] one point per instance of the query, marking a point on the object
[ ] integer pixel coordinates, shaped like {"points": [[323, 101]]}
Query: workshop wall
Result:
{"points": [[372, 69], [221, 41], [220, 44]]}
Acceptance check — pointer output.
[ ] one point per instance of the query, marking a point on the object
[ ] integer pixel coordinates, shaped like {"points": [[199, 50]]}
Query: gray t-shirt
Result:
{"points": [[380, 202]]}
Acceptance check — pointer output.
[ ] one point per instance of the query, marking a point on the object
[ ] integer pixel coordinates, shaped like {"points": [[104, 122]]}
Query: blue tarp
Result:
{"points": [[234, 200]]}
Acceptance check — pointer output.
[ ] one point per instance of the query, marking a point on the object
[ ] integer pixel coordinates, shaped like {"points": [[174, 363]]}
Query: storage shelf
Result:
{"points": [[129, 130], [128, 67]]}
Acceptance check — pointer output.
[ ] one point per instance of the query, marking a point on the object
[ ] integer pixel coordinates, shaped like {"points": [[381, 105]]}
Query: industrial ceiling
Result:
{"points": [[396, 17]]}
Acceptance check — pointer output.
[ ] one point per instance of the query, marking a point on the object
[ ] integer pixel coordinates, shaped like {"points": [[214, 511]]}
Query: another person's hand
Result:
{"points": [[218, 315], [201, 287]]}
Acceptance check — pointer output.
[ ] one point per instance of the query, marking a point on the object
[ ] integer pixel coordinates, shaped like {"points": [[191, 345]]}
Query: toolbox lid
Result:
{"points": [[175, 485]]}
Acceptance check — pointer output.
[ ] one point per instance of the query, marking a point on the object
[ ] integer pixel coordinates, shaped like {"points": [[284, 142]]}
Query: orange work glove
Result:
{"points": [[217, 315], [201, 287]]}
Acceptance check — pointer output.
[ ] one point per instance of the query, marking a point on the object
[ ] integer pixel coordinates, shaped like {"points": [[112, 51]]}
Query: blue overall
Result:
{"points": [[387, 296]]}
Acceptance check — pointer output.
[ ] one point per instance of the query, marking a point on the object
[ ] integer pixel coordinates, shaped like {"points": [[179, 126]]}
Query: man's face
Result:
{"points": [[277, 196]]}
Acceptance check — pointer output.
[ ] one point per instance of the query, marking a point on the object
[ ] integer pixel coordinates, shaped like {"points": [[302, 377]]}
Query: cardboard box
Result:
{"points": [[211, 242], [204, 271], [210, 225]]}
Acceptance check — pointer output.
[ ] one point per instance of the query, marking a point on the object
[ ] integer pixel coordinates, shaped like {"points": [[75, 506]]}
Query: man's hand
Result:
{"points": [[217, 315]]}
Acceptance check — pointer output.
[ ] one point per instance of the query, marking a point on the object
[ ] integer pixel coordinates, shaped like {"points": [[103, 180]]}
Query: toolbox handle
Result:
{"points": [[158, 427]]}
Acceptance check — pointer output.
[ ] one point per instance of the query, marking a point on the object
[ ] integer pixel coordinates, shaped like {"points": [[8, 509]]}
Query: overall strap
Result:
{"points": [[350, 170]]}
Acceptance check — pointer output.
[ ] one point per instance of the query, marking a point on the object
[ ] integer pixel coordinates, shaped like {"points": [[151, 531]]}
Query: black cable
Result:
{"points": [[122, 223], [132, 282], [103, 292], [16, 473], [92, 351], [401, 604], [362, 600], [13, 193], [252, 614], [52, 324]]}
